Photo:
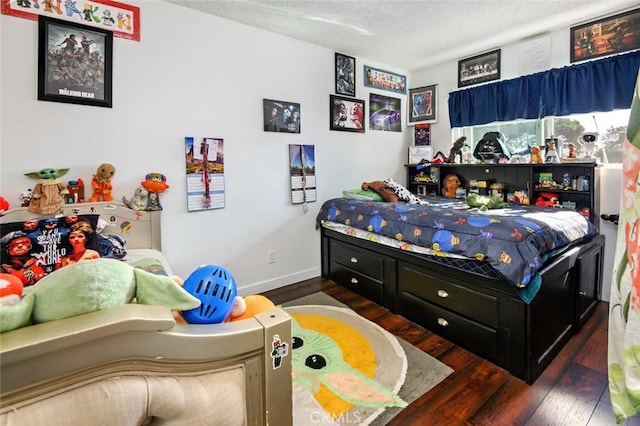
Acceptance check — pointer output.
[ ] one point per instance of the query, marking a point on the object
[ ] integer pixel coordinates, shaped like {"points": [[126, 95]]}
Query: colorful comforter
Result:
{"points": [[514, 241]]}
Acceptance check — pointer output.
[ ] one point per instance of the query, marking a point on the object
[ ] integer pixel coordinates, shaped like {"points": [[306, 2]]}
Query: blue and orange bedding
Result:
{"points": [[514, 241]]}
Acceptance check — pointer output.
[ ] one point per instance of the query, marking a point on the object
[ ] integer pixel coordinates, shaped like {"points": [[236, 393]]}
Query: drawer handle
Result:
{"points": [[582, 293], [443, 294], [354, 260], [354, 281], [443, 322]]}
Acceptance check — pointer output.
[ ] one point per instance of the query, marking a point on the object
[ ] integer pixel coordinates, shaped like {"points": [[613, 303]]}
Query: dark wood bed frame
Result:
{"points": [[486, 316]]}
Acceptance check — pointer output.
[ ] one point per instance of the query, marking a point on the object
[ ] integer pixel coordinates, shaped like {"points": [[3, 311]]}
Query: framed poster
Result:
{"points": [[422, 134], [281, 116], [345, 75], [302, 168], [615, 34], [385, 113], [204, 165], [479, 69], [74, 63], [422, 104], [385, 80], [346, 114], [123, 20]]}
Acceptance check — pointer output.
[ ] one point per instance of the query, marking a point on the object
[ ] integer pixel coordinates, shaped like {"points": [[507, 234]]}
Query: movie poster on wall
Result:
{"points": [[204, 162]]}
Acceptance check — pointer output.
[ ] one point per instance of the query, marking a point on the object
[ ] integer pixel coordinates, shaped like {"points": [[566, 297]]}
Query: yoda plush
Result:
{"points": [[47, 196], [91, 286]]}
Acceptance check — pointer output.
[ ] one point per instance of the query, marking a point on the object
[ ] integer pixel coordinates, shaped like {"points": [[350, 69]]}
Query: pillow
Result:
{"points": [[32, 249], [362, 195], [111, 246], [403, 193]]}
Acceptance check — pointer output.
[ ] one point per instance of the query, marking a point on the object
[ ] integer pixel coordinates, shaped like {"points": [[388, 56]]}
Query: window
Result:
{"points": [[520, 135]]}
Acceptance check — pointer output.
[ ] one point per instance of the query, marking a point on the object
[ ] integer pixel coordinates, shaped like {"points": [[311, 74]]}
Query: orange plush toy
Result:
{"points": [[101, 183], [382, 189], [451, 184], [253, 305]]}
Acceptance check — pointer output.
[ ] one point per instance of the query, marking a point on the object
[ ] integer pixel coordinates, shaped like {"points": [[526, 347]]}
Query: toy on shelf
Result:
{"points": [[48, 194], [451, 184], [139, 200], [25, 197], [536, 157], [155, 184], [587, 142], [455, 151], [101, 183], [76, 191]]}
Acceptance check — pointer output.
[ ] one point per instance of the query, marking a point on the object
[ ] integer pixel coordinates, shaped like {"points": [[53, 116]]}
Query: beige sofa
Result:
{"points": [[133, 365]]}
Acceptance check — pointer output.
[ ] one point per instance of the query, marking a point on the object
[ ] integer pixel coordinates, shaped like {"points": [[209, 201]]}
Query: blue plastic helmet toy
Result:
{"points": [[216, 289]]}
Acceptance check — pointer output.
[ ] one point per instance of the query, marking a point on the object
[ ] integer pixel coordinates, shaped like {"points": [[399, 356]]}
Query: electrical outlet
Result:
{"points": [[272, 256]]}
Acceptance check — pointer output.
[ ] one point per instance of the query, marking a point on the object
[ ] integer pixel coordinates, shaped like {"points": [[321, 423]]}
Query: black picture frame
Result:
{"points": [[384, 80], [71, 70], [346, 114], [345, 75], [614, 34], [479, 69], [281, 116], [422, 105]]}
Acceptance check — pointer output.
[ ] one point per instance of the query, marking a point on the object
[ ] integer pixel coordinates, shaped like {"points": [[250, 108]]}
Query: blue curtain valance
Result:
{"points": [[599, 85]]}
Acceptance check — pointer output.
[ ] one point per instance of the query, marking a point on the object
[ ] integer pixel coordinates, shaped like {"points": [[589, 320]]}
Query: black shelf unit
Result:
{"points": [[428, 180]]}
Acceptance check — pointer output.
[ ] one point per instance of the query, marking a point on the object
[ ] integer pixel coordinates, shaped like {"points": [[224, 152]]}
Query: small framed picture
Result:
{"points": [[615, 34], [346, 114], [419, 153], [421, 190], [422, 104], [479, 69], [385, 113], [281, 116], [74, 63], [384, 80], [345, 75]]}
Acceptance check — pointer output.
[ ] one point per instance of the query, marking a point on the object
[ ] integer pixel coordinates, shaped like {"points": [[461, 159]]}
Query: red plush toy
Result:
{"points": [[4, 204], [10, 289]]}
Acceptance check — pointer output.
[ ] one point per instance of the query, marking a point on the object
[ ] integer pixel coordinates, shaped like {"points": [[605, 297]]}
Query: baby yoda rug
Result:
{"points": [[349, 370]]}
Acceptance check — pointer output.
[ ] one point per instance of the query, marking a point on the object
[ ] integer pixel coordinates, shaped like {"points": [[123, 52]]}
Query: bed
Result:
{"points": [[508, 284], [134, 364]]}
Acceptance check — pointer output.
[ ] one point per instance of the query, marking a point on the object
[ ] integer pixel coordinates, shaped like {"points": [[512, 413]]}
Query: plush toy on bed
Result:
{"points": [[47, 195], [382, 189], [485, 202], [92, 286], [451, 184]]}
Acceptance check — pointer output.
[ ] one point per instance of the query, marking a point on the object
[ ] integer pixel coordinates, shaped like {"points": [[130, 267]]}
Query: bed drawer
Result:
{"points": [[362, 284], [480, 307], [358, 260], [474, 336]]}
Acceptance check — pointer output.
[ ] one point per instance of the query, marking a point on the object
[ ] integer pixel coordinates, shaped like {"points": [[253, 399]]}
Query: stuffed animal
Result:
{"points": [[4, 205], [25, 198], [451, 184], [155, 183], [101, 183], [382, 189], [249, 306], [10, 290], [536, 157], [485, 202], [90, 286], [48, 194], [138, 201]]}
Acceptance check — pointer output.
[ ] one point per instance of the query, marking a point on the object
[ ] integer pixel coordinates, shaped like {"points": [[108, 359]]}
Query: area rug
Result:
{"points": [[349, 370]]}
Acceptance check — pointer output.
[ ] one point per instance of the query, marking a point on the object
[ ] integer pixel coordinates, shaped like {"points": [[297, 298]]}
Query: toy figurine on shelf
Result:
{"points": [[536, 158], [155, 183], [25, 197], [101, 183], [48, 194]]}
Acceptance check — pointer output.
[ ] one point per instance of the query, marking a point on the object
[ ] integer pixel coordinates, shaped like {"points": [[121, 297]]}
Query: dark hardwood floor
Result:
{"points": [[573, 390]]}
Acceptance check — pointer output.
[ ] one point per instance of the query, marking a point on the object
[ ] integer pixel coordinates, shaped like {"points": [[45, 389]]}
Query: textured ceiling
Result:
{"points": [[410, 35]]}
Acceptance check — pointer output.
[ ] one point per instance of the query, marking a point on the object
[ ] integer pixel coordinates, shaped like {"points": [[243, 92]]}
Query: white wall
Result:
{"points": [[193, 74]]}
